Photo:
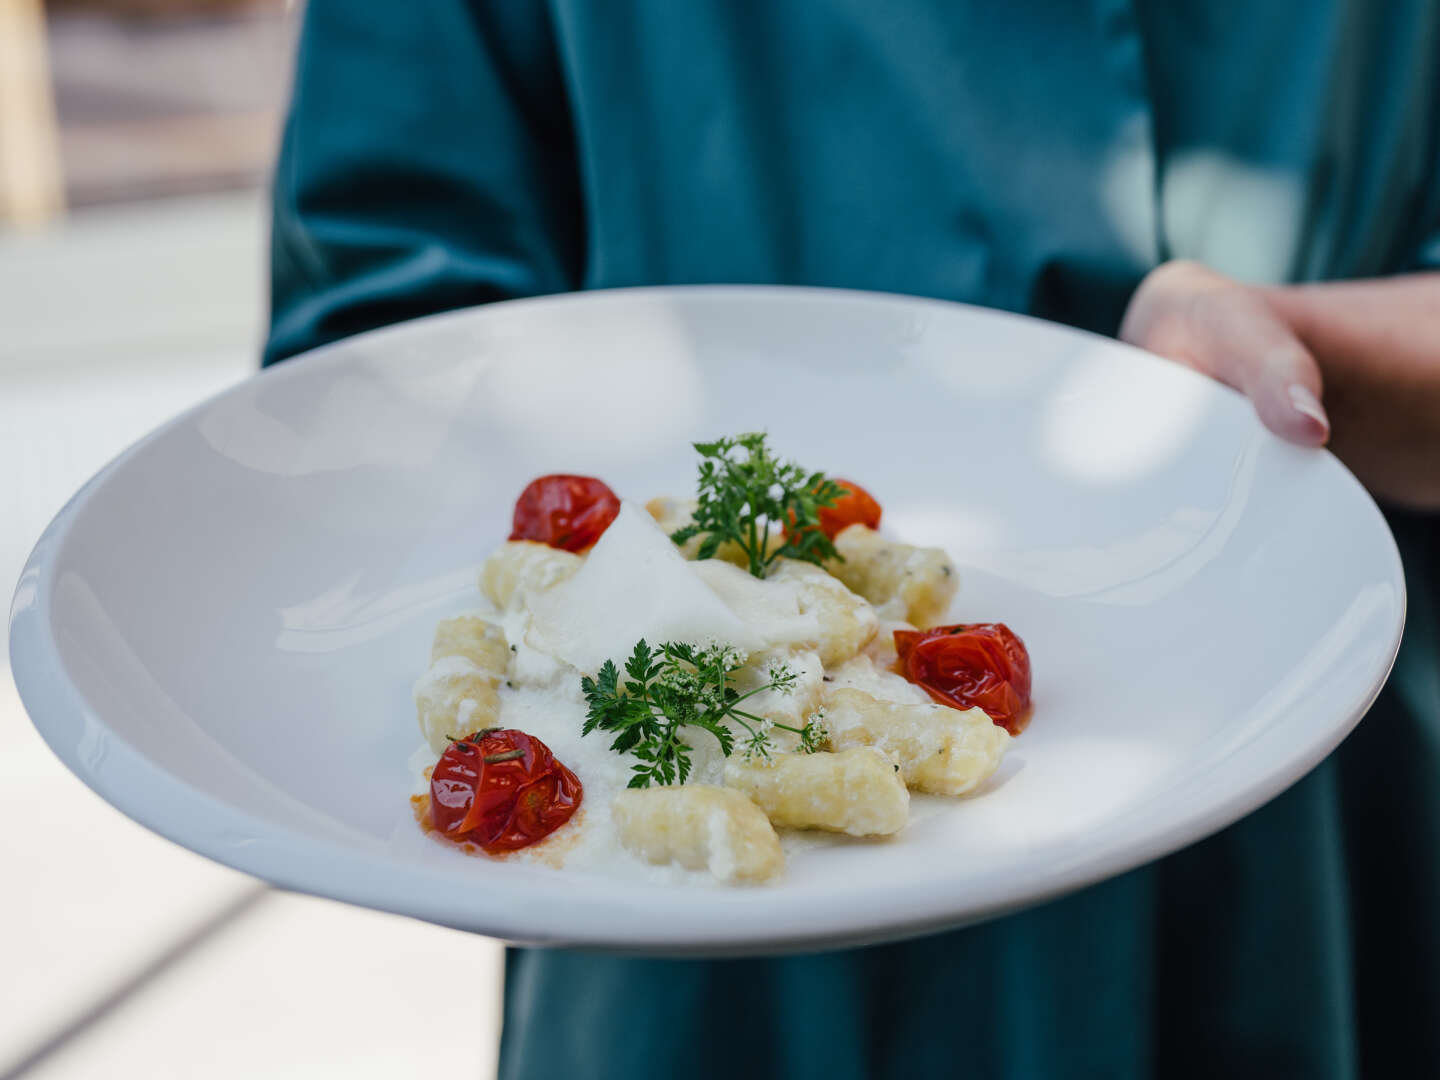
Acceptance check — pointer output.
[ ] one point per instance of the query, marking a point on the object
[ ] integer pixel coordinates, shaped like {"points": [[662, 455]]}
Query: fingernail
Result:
{"points": [[1308, 405]]}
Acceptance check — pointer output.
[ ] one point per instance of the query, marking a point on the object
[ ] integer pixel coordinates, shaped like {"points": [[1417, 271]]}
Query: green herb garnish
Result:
{"points": [[679, 687], [746, 494]]}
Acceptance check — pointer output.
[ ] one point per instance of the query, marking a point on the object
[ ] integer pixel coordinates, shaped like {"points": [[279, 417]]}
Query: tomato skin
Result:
{"points": [[970, 665], [564, 511], [856, 507], [506, 804]]}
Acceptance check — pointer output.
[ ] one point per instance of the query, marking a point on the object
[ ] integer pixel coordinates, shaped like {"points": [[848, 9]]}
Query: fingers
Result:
{"points": [[1250, 348], [1223, 329]]}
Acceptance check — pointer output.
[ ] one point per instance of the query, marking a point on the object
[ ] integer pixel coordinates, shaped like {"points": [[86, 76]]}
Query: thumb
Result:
{"points": [[1227, 331]]}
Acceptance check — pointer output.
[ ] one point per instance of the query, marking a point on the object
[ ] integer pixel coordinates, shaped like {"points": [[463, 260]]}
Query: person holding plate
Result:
{"points": [[1251, 191]]}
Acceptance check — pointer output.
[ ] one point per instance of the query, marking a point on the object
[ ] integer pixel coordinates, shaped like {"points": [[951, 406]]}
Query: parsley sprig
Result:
{"points": [[746, 493], [679, 686]]}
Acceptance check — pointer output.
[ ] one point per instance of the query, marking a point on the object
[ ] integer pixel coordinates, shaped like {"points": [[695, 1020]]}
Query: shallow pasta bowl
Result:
{"points": [[220, 631]]}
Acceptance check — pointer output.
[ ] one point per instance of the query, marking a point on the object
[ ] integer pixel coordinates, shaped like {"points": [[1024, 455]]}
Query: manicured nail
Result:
{"points": [[1308, 405]]}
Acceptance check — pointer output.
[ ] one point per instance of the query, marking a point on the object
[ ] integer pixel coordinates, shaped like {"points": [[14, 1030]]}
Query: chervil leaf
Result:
{"points": [[679, 650], [682, 761], [767, 507], [685, 533], [627, 739], [722, 733], [638, 666], [675, 687]]}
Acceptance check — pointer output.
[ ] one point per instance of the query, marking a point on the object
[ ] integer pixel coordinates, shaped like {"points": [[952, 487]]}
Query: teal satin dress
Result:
{"points": [[1036, 156]]}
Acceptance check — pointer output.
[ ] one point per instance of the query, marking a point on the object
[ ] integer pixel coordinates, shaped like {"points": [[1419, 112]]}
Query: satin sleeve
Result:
{"points": [[427, 163], [1428, 257]]}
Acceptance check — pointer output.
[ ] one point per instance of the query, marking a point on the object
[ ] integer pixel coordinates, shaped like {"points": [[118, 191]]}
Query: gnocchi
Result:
{"points": [[701, 827], [521, 566], [477, 640], [459, 693], [856, 791], [455, 698], [845, 623], [939, 749], [901, 580]]}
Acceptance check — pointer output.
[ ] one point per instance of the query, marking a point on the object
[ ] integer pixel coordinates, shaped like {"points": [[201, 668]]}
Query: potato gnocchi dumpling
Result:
{"points": [[700, 827], [939, 749], [882, 647], [877, 678], [846, 622], [477, 640], [521, 566], [901, 580], [459, 693], [455, 698], [856, 791]]}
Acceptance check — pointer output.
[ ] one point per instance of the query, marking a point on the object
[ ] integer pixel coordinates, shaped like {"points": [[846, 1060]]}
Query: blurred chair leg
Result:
{"points": [[30, 178]]}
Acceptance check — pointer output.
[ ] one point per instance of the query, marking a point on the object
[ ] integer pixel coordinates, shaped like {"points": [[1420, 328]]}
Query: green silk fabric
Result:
{"points": [[1032, 156]]}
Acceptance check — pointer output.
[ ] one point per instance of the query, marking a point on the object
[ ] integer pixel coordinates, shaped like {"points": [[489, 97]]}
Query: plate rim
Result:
{"points": [[54, 704]]}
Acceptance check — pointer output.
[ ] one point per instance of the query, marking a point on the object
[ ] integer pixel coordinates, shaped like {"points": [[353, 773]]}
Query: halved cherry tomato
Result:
{"points": [[856, 507], [501, 789], [566, 512], [969, 665]]}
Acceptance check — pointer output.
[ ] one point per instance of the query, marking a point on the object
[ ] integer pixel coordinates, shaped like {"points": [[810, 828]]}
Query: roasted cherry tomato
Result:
{"points": [[968, 665], [856, 507], [566, 512], [502, 789]]}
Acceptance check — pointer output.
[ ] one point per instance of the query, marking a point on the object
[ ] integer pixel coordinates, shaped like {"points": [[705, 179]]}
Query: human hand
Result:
{"points": [[1372, 347], [1188, 313]]}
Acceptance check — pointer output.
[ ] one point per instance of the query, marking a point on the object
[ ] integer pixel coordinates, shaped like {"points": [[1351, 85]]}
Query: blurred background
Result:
{"points": [[135, 141]]}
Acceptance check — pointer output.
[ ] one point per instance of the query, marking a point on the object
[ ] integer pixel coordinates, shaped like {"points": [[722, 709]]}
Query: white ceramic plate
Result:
{"points": [[219, 633]]}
